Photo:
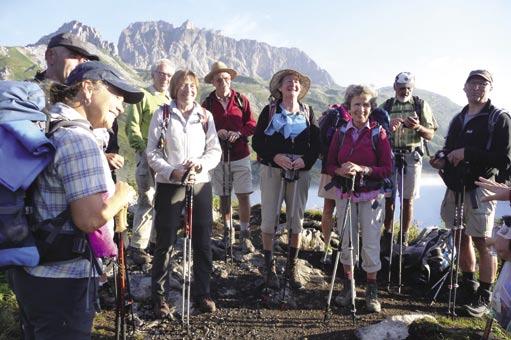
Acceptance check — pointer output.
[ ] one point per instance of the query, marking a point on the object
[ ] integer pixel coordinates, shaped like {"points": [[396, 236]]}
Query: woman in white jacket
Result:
{"points": [[182, 137]]}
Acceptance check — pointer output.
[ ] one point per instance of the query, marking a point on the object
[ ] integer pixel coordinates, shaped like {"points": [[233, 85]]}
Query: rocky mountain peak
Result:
{"points": [[143, 43], [85, 32]]}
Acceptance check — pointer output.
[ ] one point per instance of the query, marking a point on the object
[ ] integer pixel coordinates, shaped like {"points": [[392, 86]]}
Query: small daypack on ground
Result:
{"points": [[25, 151], [427, 259]]}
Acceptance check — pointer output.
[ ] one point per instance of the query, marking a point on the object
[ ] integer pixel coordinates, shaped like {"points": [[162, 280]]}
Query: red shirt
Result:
{"points": [[233, 118]]}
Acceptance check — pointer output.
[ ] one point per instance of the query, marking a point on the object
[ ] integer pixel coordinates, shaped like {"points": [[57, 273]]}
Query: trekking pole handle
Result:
{"points": [[121, 220]]}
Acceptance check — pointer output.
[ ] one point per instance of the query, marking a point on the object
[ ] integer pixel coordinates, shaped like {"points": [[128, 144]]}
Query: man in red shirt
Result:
{"points": [[234, 123]]}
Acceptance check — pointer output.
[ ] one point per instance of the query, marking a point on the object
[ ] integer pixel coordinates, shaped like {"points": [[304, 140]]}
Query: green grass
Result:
{"points": [[19, 65], [9, 322]]}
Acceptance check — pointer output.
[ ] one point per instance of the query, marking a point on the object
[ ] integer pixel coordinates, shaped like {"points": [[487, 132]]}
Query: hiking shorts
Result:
{"points": [[478, 217], [411, 176], [328, 194], [271, 181], [366, 219], [241, 177]]}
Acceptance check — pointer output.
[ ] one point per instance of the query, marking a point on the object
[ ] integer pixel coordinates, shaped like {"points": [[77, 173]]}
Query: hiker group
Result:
{"points": [[187, 152]]}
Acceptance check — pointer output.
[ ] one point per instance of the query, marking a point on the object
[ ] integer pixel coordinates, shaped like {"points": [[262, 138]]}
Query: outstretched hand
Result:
{"points": [[500, 190]]}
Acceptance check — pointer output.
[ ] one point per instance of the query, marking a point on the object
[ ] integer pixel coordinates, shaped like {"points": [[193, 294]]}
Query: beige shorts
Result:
{"points": [[411, 177], [478, 221], [331, 193], [241, 177], [271, 183], [366, 219]]}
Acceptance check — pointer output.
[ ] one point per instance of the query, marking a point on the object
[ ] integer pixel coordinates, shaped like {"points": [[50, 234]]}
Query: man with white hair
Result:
{"points": [[137, 126], [411, 121]]}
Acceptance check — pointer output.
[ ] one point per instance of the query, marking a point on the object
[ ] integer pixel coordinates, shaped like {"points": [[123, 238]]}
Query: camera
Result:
{"points": [[439, 155]]}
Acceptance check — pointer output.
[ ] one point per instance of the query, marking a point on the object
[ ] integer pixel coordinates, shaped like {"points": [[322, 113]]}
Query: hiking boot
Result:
{"points": [[245, 243], [271, 280], [139, 256], [344, 298], [205, 304], [467, 292], [151, 248], [480, 306], [372, 303], [295, 281], [162, 309], [405, 240]]}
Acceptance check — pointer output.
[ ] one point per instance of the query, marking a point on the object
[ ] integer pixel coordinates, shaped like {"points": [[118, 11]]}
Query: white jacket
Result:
{"points": [[184, 140]]}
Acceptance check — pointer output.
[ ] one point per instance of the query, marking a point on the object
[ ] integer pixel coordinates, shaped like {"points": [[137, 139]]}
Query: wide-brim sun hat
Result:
{"points": [[95, 70], [218, 67], [275, 83]]}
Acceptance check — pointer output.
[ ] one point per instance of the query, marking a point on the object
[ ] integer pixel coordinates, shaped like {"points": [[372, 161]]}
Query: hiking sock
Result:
{"points": [[468, 276], [371, 281], [348, 275], [484, 286], [268, 258], [244, 226]]}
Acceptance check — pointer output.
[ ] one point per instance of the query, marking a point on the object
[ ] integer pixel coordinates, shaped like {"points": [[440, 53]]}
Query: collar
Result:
{"points": [[351, 126], [224, 99], [487, 108], [153, 91], [61, 110]]}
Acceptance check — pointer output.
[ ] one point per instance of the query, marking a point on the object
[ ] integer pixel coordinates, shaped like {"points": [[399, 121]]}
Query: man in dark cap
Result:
{"points": [[65, 51], [477, 145]]}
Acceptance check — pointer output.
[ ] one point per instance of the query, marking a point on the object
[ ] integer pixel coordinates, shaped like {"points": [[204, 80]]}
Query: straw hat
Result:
{"points": [[275, 83], [218, 67]]}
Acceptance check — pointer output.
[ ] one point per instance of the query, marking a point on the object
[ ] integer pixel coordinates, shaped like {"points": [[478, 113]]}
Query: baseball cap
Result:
{"points": [[486, 75], [95, 70], [75, 44], [405, 78]]}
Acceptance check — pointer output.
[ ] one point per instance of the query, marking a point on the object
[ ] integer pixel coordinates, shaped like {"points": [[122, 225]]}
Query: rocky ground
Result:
{"points": [[245, 310]]}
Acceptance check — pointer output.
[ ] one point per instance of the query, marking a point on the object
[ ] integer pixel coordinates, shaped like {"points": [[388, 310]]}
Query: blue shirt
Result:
{"points": [[289, 124]]}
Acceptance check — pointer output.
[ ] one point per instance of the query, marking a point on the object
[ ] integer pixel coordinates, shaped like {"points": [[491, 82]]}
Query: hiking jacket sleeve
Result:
{"points": [[499, 154], [249, 123], [383, 167], [312, 154], [133, 121], [259, 141]]}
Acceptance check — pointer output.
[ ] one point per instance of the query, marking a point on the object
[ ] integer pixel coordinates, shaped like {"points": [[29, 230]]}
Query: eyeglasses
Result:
{"points": [[163, 74], [477, 84]]}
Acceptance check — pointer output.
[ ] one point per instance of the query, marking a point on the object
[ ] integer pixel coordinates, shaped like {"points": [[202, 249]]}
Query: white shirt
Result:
{"points": [[184, 140]]}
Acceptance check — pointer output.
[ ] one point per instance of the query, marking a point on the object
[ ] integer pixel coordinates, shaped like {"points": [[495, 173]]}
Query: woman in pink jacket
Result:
{"points": [[360, 151]]}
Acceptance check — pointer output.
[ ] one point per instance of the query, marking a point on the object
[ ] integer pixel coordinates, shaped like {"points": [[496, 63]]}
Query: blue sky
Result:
{"points": [[355, 41]]}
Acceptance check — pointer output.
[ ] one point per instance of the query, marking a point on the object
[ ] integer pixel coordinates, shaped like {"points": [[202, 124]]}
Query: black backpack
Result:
{"points": [[427, 259]]}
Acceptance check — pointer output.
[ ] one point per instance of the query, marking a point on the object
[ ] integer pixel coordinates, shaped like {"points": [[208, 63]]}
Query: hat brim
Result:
{"points": [[480, 76], [305, 83], [131, 94], [80, 51], [209, 77]]}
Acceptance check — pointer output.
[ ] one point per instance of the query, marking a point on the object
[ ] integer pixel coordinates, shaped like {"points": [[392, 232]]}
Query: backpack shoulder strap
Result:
{"points": [[61, 123], [492, 121], [419, 106], [375, 136], [342, 133], [204, 120], [238, 100], [387, 106]]}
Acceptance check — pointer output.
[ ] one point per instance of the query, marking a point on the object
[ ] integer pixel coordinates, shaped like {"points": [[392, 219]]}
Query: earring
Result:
{"points": [[86, 101]]}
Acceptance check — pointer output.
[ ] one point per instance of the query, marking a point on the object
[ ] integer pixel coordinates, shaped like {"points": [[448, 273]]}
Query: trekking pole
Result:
{"points": [[227, 188], [394, 193], [123, 294], [290, 176], [352, 267], [458, 227], [339, 249], [402, 165], [187, 252]]}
